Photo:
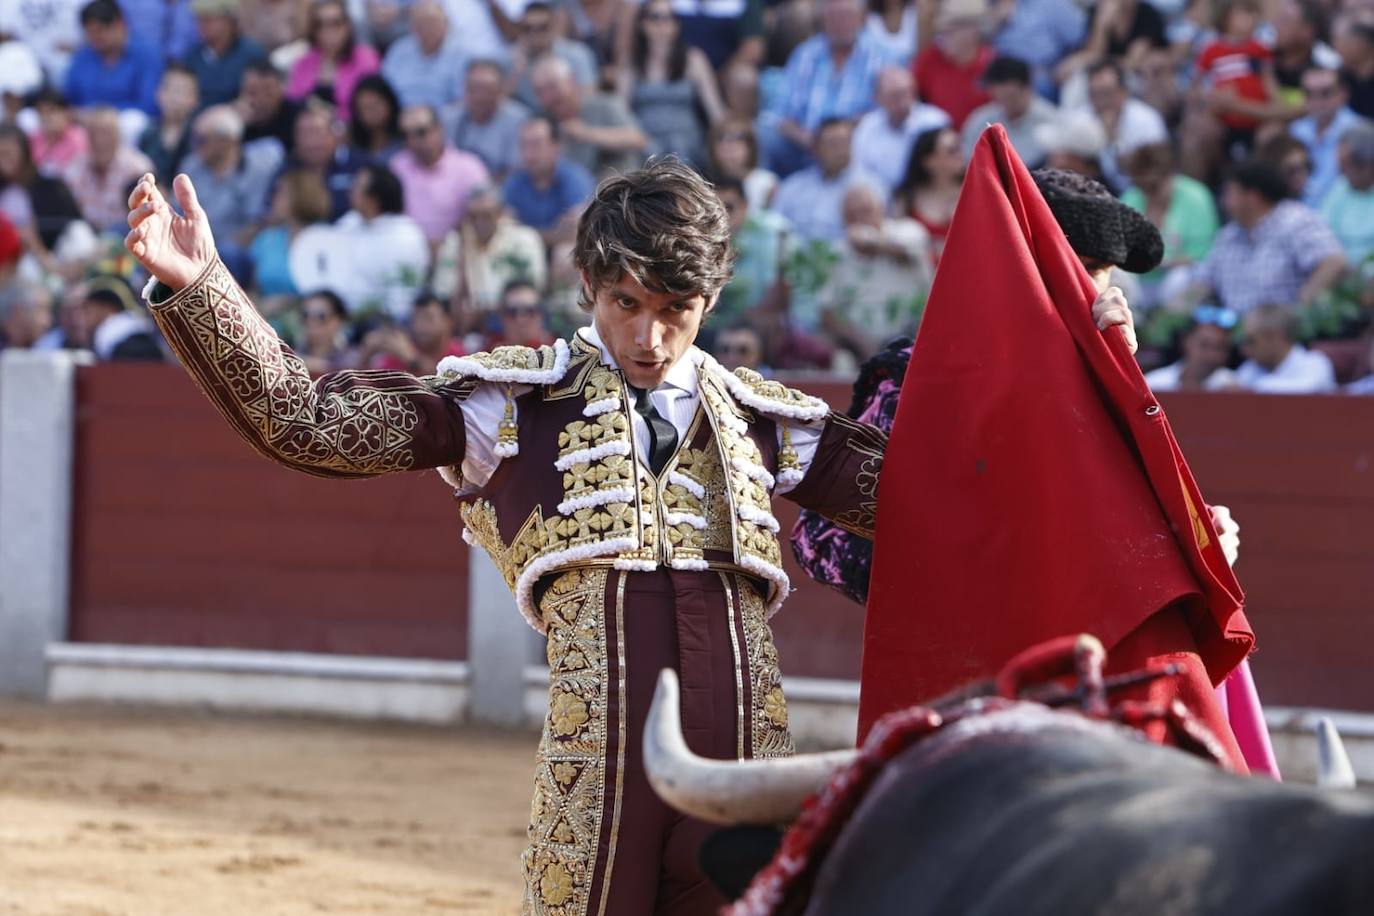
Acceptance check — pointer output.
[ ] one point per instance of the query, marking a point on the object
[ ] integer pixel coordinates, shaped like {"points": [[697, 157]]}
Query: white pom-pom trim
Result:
{"points": [[452, 476], [454, 366], [691, 563], [790, 477], [810, 408], [468, 538], [506, 449], [597, 408], [541, 566], [687, 483], [758, 517], [755, 472], [646, 517], [765, 570], [595, 453], [627, 564], [691, 518], [596, 498]]}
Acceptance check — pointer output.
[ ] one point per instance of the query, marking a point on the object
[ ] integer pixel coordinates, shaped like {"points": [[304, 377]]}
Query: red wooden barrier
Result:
{"points": [[184, 536]]}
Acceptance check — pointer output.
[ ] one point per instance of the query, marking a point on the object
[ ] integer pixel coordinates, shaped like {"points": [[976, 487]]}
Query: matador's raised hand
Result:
{"points": [[175, 249]]}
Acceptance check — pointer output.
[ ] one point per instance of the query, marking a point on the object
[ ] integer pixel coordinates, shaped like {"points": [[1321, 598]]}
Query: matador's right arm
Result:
{"points": [[346, 424]]}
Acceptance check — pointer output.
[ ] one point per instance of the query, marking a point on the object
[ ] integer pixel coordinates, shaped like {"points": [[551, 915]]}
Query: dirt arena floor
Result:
{"points": [[117, 812]]}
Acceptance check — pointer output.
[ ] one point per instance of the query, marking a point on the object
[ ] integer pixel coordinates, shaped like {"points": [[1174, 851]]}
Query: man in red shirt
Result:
{"points": [[952, 55]]}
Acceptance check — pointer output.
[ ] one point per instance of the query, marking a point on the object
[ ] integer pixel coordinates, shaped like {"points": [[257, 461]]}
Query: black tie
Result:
{"points": [[662, 434]]}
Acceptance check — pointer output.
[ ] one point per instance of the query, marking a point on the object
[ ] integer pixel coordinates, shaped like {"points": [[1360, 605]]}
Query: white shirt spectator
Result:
{"points": [[386, 262], [51, 29], [1302, 371], [882, 150], [1361, 386], [1138, 125], [1167, 378]]}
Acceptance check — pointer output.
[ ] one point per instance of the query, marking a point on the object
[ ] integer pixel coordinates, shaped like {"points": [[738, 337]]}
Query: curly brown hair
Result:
{"points": [[663, 225]]}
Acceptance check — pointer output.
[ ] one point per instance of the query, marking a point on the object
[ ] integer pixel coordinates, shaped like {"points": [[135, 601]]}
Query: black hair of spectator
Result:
{"points": [[1364, 29], [828, 123], [376, 84], [1260, 177], [335, 302], [537, 6], [724, 183], [1275, 315], [917, 175], [1005, 70], [546, 120], [512, 285], [1314, 15], [427, 297], [101, 12], [384, 187], [488, 62], [312, 26], [263, 66], [734, 124], [27, 169], [639, 54], [179, 68], [1224, 9], [112, 292], [663, 225], [1108, 64], [49, 95]]}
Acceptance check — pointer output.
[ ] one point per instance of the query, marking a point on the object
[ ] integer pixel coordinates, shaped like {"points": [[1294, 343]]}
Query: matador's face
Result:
{"points": [[647, 331]]}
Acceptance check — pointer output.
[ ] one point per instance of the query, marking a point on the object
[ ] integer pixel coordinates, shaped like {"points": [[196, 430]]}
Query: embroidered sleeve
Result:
{"points": [[842, 481], [346, 424]]}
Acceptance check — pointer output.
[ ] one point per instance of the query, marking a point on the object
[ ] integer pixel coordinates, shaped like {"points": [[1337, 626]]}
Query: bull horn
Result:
{"points": [[1333, 763], [721, 791]]}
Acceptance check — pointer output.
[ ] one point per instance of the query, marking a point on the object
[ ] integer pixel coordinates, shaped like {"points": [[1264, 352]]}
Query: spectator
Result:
{"points": [[1276, 363], [892, 26], [1016, 106], [1120, 30], [267, 113], [760, 240], [810, 200], [883, 138], [111, 324], [65, 334], [167, 140], [479, 258], [324, 347], [522, 318], [488, 125], [274, 23], [385, 22], [930, 187], [110, 68], [41, 208], [11, 251], [388, 256], [318, 149], [336, 60], [59, 140], [1157, 84], [548, 190], [726, 31], [1181, 208], [537, 41], [436, 177], [100, 180], [1321, 129], [222, 55], [168, 26], [418, 347], [25, 314], [51, 30], [1364, 385], [1239, 73], [739, 346], [487, 28], [1039, 32], [300, 200], [1074, 143], [1355, 42], [878, 287], [734, 153], [1127, 122], [601, 25], [374, 123], [952, 56], [669, 85], [1205, 350], [1273, 250], [597, 131], [232, 182], [829, 76], [1349, 206], [426, 67], [1298, 29], [1291, 158]]}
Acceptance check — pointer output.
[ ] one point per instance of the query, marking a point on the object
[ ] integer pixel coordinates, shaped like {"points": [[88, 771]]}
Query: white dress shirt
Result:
{"points": [[676, 400], [1302, 371]]}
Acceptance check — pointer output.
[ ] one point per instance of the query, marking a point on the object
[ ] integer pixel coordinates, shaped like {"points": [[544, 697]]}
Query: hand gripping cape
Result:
{"points": [[1032, 487]]}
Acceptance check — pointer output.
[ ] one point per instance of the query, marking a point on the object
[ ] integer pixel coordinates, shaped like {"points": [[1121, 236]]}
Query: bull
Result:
{"points": [[992, 804]]}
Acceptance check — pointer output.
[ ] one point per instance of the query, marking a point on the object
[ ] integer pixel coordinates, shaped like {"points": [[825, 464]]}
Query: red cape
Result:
{"points": [[1032, 487]]}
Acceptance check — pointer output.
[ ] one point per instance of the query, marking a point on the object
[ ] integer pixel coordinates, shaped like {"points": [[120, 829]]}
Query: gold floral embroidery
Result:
{"points": [[568, 714], [555, 885], [771, 737], [775, 707]]}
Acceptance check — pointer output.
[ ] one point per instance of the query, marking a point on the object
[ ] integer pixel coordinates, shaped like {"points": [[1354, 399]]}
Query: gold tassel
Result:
{"points": [[508, 433], [787, 458]]}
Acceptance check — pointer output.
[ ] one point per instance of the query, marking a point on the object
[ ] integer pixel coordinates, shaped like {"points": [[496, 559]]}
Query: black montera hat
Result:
{"points": [[1097, 224]]}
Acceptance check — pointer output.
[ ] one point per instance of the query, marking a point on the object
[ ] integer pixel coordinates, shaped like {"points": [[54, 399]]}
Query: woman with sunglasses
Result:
{"points": [[324, 341], [336, 61], [669, 86]]}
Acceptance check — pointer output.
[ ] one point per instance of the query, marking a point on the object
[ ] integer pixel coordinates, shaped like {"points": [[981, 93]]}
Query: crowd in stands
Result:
{"points": [[400, 180]]}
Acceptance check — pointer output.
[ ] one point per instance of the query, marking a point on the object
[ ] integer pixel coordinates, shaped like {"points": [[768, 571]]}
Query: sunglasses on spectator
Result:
{"points": [[1217, 315], [313, 316], [416, 132], [330, 22], [1323, 92], [519, 311], [534, 27], [658, 17]]}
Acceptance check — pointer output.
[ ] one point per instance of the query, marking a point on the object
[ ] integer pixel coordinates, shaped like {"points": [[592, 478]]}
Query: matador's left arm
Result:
{"points": [[841, 479]]}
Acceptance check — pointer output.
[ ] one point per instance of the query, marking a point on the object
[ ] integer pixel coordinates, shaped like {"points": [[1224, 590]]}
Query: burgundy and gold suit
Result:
{"points": [[624, 570]]}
